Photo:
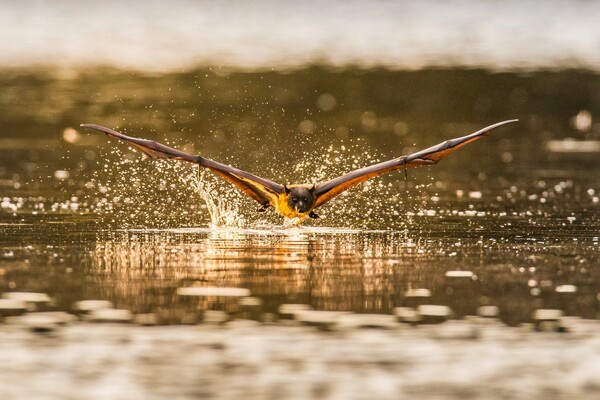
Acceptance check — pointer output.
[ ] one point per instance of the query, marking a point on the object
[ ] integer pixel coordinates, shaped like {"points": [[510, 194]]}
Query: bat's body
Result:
{"points": [[299, 201]]}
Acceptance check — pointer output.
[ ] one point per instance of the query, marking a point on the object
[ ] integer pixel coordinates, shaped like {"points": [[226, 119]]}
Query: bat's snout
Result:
{"points": [[301, 207]]}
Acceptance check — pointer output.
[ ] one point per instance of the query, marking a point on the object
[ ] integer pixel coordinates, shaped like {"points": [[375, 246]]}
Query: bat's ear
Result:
{"points": [[286, 189], [312, 189]]}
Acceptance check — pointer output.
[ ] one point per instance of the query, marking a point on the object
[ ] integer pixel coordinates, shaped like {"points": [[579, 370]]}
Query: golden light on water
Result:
{"points": [[299, 92], [325, 264]]}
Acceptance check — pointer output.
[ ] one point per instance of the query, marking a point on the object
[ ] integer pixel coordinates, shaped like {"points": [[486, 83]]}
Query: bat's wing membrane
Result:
{"points": [[260, 189], [149, 147], [328, 190]]}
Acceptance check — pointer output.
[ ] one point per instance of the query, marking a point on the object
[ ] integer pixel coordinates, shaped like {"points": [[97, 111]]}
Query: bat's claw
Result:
{"points": [[313, 215], [264, 207]]}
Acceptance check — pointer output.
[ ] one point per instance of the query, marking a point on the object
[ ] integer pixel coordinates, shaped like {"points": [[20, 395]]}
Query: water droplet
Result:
{"points": [[71, 135], [582, 121], [61, 174], [326, 102]]}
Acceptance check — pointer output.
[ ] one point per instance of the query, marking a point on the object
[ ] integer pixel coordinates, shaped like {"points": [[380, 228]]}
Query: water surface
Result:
{"points": [[85, 218]]}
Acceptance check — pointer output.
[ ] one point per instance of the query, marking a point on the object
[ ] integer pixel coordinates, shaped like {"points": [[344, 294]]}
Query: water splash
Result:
{"points": [[137, 192], [222, 211]]}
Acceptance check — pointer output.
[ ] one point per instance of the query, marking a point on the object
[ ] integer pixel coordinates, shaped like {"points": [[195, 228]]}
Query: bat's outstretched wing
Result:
{"points": [[328, 190], [262, 190]]}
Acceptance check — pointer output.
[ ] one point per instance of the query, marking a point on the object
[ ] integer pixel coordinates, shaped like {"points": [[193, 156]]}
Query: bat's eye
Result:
{"points": [[294, 199], [305, 199]]}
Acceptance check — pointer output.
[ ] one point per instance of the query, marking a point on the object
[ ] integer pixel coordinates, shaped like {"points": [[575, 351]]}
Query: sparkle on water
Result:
{"points": [[506, 222], [136, 191]]}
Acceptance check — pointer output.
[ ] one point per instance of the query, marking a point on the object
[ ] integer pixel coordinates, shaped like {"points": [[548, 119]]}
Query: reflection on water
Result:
{"points": [[328, 269], [510, 221]]}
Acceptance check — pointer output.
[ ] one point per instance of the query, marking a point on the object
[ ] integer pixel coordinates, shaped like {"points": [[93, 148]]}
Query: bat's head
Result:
{"points": [[300, 198]]}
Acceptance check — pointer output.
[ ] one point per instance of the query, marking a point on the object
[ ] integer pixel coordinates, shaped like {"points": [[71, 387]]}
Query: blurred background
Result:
{"points": [[300, 91], [265, 35]]}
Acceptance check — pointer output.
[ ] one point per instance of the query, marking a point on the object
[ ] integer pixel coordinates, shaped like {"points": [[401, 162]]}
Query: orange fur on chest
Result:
{"points": [[283, 207]]}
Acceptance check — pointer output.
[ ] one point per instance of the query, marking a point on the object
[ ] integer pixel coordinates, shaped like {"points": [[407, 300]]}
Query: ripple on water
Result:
{"points": [[213, 291]]}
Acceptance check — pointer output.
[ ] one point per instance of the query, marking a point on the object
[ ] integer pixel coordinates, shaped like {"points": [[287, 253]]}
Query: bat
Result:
{"points": [[298, 201]]}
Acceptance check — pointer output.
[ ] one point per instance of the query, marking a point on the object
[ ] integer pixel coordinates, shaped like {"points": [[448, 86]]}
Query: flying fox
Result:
{"points": [[299, 201]]}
